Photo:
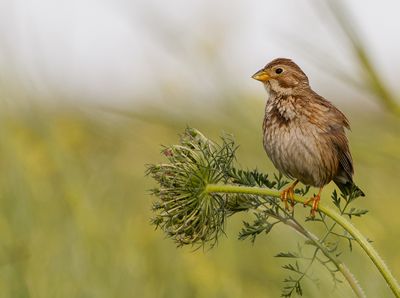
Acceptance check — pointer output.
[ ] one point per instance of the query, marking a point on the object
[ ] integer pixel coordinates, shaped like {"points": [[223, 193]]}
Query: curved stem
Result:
{"points": [[358, 237], [352, 281]]}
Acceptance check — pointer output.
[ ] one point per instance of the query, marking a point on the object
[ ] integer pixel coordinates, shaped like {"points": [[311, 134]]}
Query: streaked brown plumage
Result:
{"points": [[304, 134]]}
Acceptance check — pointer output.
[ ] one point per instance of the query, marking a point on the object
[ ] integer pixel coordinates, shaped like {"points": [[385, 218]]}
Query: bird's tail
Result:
{"points": [[350, 188]]}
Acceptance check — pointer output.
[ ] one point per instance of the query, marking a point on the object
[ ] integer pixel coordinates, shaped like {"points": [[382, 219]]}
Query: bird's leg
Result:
{"points": [[288, 195], [315, 201]]}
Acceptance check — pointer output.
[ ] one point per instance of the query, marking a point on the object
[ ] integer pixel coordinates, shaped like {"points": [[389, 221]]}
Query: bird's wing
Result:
{"points": [[333, 122]]}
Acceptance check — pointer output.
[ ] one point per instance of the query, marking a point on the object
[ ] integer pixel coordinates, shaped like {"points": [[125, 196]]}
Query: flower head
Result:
{"points": [[184, 210]]}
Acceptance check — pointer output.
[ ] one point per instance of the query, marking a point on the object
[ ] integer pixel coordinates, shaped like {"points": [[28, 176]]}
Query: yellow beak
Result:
{"points": [[261, 76]]}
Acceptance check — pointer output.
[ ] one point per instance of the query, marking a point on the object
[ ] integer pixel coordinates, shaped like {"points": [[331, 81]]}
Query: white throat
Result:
{"points": [[274, 85]]}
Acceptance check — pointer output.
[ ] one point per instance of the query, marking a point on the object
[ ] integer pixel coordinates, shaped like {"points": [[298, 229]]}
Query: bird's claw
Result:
{"points": [[286, 196], [314, 206]]}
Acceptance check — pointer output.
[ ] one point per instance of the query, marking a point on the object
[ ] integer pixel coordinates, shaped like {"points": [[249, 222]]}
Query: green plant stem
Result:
{"points": [[351, 280], [339, 264], [358, 237]]}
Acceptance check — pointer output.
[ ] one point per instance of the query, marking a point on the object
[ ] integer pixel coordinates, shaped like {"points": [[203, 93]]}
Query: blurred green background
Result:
{"points": [[74, 200]]}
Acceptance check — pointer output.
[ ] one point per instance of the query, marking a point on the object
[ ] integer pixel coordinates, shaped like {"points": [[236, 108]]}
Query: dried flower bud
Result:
{"points": [[184, 210]]}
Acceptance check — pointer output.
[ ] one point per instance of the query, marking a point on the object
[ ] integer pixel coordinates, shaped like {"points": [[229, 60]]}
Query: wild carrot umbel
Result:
{"points": [[199, 187]]}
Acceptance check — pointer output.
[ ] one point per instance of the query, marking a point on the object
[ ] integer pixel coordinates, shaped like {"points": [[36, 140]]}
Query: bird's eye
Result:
{"points": [[278, 70]]}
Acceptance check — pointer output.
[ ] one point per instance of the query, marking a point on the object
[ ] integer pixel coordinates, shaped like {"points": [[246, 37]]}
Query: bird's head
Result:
{"points": [[282, 76]]}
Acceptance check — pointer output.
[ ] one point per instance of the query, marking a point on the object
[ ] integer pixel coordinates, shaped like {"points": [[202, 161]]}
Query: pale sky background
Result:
{"points": [[123, 51]]}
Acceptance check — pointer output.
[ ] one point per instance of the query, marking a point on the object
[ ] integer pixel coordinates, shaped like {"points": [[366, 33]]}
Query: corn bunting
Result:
{"points": [[304, 134]]}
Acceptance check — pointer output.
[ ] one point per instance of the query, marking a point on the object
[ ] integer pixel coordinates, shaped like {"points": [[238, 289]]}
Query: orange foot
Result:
{"points": [[315, 202], [288, 195]]}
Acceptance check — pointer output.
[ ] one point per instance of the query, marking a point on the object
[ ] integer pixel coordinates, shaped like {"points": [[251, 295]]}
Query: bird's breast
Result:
{"points": [[296, 148]]}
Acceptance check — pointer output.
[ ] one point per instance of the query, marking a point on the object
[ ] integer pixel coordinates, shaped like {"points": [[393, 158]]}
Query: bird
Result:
{"points": [[304, 135]]}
